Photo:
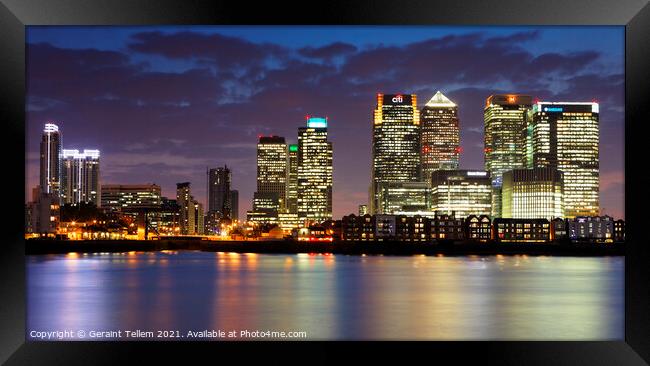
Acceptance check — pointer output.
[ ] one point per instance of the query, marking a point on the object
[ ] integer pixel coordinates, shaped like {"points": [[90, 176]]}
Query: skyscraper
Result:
{"points": [[314, 171], [219, 199], [191, 211], [565, 136], [532, 194], [50, 173], [395, 143], [272, 167], [292, 180], [439, 136], [184, 200], [505, 139], [80, 177]]}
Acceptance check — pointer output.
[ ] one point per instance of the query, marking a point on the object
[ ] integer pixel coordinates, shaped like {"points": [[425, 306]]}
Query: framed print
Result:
{"points": [[372, 178]]}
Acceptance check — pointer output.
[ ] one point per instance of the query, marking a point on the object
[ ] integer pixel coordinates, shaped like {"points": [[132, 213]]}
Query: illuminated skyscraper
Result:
{"points": [[461, 192], [395, 143], [565, 136], [292, 180], [50, 160], [314, 171], [505, 139], [439, 136], [183, 200], [272, 168], [80, 177], [219, 199], [191, 211], [532, 194]]}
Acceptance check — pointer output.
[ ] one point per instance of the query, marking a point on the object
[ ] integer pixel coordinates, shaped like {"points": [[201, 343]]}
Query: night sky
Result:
{"points": [[164, 103]]}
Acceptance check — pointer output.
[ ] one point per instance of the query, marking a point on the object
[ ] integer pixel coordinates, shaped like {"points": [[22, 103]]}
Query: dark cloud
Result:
{"points": [[223, 51], [168, 126], [328, 52]]}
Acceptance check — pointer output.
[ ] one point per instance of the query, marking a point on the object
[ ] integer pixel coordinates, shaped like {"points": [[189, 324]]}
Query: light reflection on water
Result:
{"points": [[331, 296]]}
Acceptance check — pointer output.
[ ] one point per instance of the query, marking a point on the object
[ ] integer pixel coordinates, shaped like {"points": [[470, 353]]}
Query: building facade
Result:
{"points": [[532, 193], [505, 117], [121, 197], [591, 228], [521, 230], [395, 143], [565, 136], [191, 217], [272, 161], [439, 136], [461, 192], [402, 197], [80, 177], [50, 167], [219, 197], [292, 180], [314, 200]]}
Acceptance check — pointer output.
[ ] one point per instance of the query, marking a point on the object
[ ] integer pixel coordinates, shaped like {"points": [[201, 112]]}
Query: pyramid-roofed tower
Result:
{"points": [[440, 100]]}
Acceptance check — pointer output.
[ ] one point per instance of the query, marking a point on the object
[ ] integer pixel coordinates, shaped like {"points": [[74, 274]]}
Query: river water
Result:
{"points": [[323, 297]]}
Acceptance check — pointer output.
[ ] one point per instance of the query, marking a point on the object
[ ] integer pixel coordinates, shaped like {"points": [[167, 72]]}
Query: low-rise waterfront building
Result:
{"points": [[521, 230], [592, 228], [478, 228]]}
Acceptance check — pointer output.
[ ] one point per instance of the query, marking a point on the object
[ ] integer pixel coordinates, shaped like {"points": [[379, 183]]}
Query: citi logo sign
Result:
{"points": [[398, 99]]}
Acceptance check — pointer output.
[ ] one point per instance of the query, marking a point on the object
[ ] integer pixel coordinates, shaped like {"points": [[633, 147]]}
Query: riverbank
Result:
{"points": [[37, 247]]}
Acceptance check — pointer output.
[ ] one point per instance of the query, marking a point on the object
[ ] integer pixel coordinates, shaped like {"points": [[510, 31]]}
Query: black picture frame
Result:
{"points": [[633, 14]]}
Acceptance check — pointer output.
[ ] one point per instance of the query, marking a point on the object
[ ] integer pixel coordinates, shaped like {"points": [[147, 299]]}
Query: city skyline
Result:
{"points": [[175, 153]]}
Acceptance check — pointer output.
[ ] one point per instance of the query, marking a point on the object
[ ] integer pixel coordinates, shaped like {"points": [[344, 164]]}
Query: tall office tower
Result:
{"points": [[395, 143], [234, 203], [50, 159], [505, 139], [219, 199], [565, 136], [439, 136], [184, 200], [80, 177], [272, 167], [292, 180], [461, 192], [314, 171], [125, 197], [532, 194]]}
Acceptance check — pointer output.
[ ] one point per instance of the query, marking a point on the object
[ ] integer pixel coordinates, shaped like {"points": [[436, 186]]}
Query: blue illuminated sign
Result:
{"points": [[317, 122], [553, 109]]}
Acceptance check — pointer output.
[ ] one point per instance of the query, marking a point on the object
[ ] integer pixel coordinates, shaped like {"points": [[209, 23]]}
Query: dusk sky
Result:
{"points": [[164, 103]]}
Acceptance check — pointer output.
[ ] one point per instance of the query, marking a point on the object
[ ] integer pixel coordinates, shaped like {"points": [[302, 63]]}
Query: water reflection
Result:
{"points": [[331, 296]]}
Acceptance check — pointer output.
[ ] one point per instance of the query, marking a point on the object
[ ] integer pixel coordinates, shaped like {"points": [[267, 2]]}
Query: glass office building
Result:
{"points": [[314, 199], [439, 136], [292, 180], [532, 194], [565, 136], [461, 193], [395, 143], [272, 161], [50, 170], [504, 118], [403, 197], [80, 177]]}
